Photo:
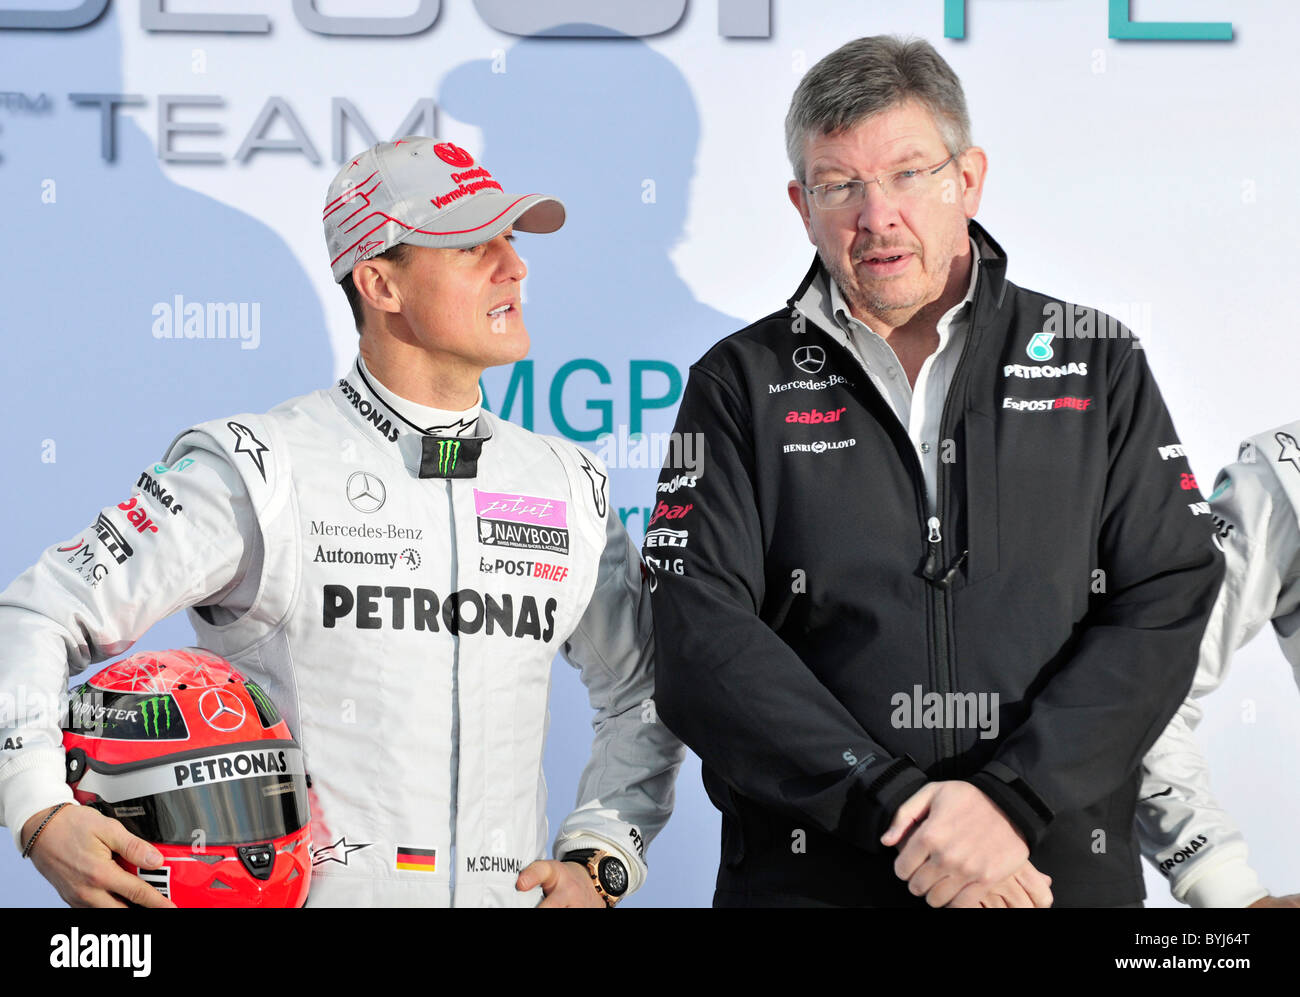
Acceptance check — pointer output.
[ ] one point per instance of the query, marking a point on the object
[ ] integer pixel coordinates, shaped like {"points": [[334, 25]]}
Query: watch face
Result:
{"points": [[613, 877]]}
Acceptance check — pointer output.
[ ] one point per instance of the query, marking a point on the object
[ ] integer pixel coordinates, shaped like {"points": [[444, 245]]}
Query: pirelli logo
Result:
{"points": [[111, 537]]}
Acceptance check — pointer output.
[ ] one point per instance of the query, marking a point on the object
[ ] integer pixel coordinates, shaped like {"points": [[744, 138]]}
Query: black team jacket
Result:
{"points": [[827, 646]]}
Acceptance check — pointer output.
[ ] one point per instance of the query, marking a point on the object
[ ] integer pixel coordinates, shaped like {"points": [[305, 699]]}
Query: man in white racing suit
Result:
{"points": [[1183, 831], [397, 568]]}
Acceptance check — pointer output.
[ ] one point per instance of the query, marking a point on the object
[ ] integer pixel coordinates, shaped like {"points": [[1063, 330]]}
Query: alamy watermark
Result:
{"points": [[947, 711], [1120, 320], [677, 451], [181, 319]]}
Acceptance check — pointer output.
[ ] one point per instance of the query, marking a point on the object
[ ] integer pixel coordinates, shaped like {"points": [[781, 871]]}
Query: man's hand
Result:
{"points": [[959, 844], [75, 853], [1027, 887], [1290, 900], [565, 884]]}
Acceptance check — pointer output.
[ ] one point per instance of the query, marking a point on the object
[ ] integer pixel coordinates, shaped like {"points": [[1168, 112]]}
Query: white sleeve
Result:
{"points": [[625, 795], [178, 539], [1182, 829]]}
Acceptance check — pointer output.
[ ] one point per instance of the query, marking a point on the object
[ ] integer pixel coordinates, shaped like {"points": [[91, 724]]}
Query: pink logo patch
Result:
{"points": [[520, 508]]}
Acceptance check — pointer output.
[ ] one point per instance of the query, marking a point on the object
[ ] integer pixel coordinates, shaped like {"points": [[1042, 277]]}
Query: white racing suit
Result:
{"points": [[1183, 830], [405, 626]]}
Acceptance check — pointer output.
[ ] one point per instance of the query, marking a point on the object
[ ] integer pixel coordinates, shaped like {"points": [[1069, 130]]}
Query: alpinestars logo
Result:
{"points": [[598, 482], [1290, 450], [448, 451], [461, 427], [247, 443], [337, 852]]}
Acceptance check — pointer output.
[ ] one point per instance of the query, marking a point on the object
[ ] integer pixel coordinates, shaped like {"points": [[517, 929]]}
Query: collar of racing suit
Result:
{"points": [[435, 421], [425, 455]]}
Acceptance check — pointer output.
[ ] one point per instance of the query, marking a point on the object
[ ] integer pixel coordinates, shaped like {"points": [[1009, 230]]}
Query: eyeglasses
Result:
{"points": [[895, 186]]}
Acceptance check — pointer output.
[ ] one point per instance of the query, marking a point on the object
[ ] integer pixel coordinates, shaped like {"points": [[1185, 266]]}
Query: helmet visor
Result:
{"points": [[248, 794]]}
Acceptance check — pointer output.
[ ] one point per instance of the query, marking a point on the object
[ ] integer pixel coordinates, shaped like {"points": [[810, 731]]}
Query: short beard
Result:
{"points": [[866, 304]]}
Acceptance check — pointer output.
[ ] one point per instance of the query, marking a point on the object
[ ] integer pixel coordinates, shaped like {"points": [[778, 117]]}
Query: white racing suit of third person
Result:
{"points": [[404, 625], [1183, 831]]}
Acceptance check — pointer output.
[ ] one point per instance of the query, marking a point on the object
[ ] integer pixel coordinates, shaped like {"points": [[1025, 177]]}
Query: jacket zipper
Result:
{"points": [[933, 571], [938, 571], [455, 703], [939, 576]]}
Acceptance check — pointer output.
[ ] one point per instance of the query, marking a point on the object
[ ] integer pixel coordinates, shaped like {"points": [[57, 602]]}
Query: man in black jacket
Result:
{"points": [[942, 579]]}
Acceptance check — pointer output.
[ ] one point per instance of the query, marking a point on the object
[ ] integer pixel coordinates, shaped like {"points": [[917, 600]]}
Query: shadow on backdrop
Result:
{"points": [[79, 284], [609, 126]]}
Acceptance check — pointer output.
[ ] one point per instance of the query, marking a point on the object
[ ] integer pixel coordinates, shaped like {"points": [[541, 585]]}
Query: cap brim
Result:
{"points": [[486, 216]]}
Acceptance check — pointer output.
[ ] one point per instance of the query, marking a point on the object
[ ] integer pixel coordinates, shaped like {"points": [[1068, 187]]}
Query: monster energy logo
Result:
{"points": [[265, 708], [150, 711], [447, 453]]}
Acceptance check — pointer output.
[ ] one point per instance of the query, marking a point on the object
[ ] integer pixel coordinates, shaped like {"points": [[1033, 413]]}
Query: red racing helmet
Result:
{"points": [[195, 759]]}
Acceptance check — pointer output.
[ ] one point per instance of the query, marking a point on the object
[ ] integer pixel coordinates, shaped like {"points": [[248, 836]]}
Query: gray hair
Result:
{"points": [[870, 75]]}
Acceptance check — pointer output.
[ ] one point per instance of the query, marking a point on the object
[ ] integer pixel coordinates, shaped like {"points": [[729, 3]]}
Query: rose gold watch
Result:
{"points": [[607, 872]]}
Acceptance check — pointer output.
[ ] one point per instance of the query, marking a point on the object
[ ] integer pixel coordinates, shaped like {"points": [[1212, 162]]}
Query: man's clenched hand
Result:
{"points": [[959, 844]]}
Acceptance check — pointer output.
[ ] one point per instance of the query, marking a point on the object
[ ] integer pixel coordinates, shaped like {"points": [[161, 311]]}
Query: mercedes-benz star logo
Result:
{"points": [[809, 359], [221, 710], [366, 492]]}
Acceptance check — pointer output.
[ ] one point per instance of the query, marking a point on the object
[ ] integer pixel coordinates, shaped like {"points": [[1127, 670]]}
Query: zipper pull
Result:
{"points": [[932, 563], [951, 573]]}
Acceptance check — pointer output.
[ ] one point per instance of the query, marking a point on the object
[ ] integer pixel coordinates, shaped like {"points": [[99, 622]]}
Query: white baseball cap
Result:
{"points": [[423, 192]]}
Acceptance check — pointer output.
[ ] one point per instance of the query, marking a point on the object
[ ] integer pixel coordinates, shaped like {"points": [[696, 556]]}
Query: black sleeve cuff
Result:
{"points": [[869, 813], [1023, 807]]}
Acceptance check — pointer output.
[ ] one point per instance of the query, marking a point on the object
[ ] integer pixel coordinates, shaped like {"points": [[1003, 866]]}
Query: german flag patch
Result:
{"points": [[417, 859]]}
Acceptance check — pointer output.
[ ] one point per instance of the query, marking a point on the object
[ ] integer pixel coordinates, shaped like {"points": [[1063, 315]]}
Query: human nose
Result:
{"points": [[877, 210], [509, 264]]}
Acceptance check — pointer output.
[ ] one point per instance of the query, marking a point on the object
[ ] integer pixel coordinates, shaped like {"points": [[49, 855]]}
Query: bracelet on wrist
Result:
{"points": [[37, 833]]}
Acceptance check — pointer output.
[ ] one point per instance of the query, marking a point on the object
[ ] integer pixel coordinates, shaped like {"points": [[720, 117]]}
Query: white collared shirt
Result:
{"points": [[918, 409]]}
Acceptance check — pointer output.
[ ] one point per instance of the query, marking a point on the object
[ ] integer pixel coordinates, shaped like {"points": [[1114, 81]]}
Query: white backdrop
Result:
{"points": [[1149, 178]]}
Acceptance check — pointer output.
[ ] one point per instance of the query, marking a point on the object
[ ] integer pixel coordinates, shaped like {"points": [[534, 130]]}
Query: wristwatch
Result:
{"points": [[608, 874]]}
